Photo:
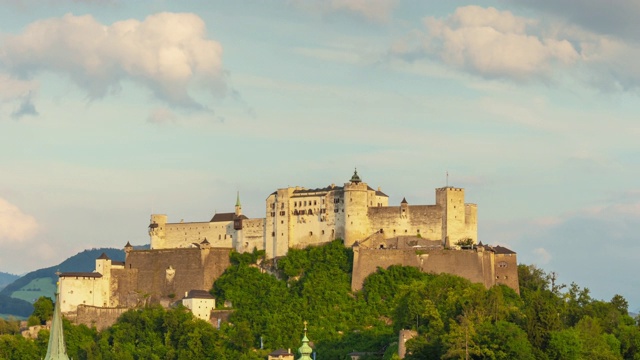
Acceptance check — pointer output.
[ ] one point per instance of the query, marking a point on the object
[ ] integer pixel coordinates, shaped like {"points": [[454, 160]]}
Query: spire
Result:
{"points": [[238, 205], [355, 178], [305, 350], [56, 349]]}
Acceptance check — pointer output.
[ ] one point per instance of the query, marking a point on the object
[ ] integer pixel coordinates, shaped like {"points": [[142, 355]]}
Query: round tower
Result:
{"points": [[356, 223]]}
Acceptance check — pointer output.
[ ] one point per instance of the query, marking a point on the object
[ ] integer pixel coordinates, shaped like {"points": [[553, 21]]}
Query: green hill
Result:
{"points": [[16, 298]]}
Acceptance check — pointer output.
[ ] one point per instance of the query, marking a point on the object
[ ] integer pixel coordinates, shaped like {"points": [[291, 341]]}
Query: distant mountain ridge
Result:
{"points": [[6, 279]]}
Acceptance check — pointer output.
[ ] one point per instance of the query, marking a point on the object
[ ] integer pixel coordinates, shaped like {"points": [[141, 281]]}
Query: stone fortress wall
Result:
{"points": [[482, 264]]}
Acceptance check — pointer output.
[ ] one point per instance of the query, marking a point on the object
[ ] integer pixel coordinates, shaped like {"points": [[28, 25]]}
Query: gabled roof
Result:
{"points": [[198, 294], [502, 250], [220, 217], [81, 274], [324, 189], [280, 352], [378, 192]]}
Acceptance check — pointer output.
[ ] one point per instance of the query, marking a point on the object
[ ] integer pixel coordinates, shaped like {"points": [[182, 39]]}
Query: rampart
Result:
{"points": [[170, 273], [98, 317], [485, 265]]}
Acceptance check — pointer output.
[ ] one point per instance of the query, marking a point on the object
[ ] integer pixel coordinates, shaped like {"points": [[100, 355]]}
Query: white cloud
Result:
{"points": [[498, 44], [494, 44], [167, 52], [14, 224]]}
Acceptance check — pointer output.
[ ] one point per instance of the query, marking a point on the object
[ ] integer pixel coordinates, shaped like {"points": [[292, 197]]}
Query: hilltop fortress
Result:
{"points": [[184, 256], [297, 217]]}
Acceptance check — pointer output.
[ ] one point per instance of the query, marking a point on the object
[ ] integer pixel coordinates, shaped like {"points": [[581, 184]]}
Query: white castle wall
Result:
{"points": [[296, 217]]}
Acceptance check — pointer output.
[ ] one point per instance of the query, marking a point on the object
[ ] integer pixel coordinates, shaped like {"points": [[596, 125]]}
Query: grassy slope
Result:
{"points": [[35, 289]]}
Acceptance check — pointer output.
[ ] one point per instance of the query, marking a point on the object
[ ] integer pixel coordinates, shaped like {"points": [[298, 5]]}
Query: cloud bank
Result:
{"points": [[15, 226], [490, 43], [167, 53], [497, 44]]}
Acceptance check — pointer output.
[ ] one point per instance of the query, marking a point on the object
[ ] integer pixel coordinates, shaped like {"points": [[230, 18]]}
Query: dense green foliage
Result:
{"points": [[42, 311], [453, 317]]}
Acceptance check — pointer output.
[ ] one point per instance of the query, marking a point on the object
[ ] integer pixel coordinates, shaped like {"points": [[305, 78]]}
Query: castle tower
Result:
{"points": [[356, 221], [454, 228], [157, 231], [278, 222], [127, 249], [102, 293], [305, 350], [56, 350]]}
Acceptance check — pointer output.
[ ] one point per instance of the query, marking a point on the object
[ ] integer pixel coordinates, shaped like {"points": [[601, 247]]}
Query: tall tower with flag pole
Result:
{"points": [[56, 350]]}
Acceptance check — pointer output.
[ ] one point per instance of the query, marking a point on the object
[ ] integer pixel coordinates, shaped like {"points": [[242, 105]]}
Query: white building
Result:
{"points": [[200, 303]]}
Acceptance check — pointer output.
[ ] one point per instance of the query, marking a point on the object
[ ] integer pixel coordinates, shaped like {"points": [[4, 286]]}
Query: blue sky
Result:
{"points": [[112, 110]]}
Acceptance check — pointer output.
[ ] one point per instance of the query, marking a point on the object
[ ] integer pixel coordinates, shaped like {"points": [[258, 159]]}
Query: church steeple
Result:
{"points": [[56, 349], [305, 350]]}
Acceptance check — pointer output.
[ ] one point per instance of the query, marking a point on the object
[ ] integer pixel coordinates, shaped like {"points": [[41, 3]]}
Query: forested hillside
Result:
{"points": [[453, 317]]}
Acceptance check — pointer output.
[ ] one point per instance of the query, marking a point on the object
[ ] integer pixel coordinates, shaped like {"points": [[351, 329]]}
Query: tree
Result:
{"points": [[565, 345], [42, 311], [504, 341]]}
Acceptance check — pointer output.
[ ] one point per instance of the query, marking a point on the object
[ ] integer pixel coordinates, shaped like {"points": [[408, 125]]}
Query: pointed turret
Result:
{"points": [[238, 205], [56, 349], [305, 350]]}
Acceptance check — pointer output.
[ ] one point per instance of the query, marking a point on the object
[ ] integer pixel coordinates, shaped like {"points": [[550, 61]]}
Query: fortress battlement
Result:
{"points": [[296, 217]]}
